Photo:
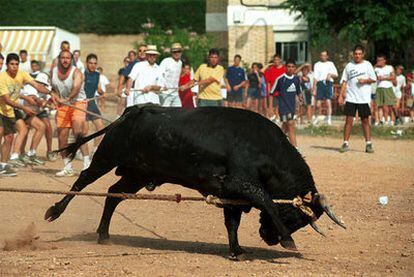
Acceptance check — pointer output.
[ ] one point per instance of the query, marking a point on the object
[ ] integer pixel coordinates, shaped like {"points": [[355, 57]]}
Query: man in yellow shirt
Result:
{"points": [[208, 78], [11, 82]]}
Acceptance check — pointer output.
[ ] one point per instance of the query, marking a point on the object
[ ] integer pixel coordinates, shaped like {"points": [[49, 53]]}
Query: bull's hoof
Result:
{"points": [[238, 258], [288, 244], [53, 212], [104, 240]]}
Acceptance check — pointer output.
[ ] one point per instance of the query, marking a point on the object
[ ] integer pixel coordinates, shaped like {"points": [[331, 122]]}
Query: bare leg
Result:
{"points": [[40, 128], [22, 131], [98, 126], [291, 132], [349, 121], [48, 133], [78, 129], [366, 128]]}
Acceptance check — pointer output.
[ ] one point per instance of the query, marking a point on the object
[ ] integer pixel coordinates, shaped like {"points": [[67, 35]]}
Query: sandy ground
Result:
{"points": [[152, 238]]}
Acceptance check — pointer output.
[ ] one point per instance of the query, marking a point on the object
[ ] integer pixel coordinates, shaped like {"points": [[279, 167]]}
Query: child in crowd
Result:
{"points": [[288, 87]]}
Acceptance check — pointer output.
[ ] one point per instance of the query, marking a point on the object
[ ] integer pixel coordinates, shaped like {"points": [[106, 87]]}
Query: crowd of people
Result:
{"points": [[72, 94]]}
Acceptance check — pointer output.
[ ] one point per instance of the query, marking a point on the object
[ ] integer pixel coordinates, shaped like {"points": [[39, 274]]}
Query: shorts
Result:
{"points": [[235, 97], [287, 117], [385, 97], [92, 107], [254, 93], [373, 96], [324, 90], [398, 94], [209, 103], [351, 108], [43, 114], [18, 114], [65, 114], [170, 100], [8, 124]]}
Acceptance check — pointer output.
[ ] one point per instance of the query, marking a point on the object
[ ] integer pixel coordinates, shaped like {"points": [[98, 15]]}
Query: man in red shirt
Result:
{"points": [[272, 72]]}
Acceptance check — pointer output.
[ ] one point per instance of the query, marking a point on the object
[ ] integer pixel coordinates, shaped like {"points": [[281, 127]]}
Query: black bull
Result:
{"points": [[229, 153]]}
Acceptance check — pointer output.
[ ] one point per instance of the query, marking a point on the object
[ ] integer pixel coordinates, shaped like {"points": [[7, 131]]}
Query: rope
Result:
{"points": [[297, 202]]}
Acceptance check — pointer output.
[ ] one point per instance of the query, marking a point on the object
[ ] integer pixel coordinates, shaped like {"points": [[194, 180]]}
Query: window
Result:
{"points": [[297, 51]]}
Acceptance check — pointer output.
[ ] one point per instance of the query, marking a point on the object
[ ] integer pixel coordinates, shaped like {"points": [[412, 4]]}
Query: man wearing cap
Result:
{"points": [[148, 80], [11, 82], [171, 69]]}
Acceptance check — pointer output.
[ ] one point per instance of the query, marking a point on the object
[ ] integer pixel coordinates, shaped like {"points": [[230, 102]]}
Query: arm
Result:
{"points": [[77, 83], [8, 101], [100, 90], [121, 82], [29, 99], [342, 93]]}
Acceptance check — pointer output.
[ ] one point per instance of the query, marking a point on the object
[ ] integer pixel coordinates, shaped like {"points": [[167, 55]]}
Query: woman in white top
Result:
{"points": [[398, 91]]}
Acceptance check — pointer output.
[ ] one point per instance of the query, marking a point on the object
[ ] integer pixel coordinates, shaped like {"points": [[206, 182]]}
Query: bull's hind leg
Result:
{"points": [[232, 216], [97, 169], [126, 184]]}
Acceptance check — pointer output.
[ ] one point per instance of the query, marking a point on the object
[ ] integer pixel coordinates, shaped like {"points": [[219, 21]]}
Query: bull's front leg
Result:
{"points": [[232, 216], [261, 200]]}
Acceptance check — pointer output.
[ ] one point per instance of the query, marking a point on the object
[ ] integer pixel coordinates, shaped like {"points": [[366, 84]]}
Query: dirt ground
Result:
{"points": [[152, 238]]}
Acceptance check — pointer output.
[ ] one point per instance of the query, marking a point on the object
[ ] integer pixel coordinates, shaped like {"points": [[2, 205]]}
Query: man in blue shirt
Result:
{"points": [[288, 86], [235, 80]]}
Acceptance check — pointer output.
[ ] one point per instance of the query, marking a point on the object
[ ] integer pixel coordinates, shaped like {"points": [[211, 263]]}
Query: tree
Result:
{"points": [[387, 25]]}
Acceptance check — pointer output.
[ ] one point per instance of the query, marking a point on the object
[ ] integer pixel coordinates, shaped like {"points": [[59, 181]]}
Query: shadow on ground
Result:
{"points": [[335, 149], [192, 247]]}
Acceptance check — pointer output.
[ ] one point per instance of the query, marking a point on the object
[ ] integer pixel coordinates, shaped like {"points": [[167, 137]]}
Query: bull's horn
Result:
{"points": [[324, 204], [316, 228]]}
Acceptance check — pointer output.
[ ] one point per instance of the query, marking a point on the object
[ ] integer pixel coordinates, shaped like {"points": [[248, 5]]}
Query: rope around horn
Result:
{"points": [[297, 202]]}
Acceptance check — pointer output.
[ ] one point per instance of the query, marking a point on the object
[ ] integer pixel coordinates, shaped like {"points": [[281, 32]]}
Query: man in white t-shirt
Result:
{"points": [[78, 63], [171, 69], [148, 80], [356, 82], [324, 73], [398, 91], [385, 98], [24, 61]]}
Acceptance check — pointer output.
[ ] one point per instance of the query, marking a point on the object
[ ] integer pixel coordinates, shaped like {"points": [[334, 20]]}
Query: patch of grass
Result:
{"points": [[376, 131]]}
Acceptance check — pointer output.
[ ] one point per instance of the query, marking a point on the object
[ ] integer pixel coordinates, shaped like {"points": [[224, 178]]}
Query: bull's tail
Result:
{"points": [[70, 150]]}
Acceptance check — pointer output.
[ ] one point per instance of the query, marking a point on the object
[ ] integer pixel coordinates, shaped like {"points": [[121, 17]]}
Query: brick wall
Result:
{"points": [[111, 51], [254, 44]]}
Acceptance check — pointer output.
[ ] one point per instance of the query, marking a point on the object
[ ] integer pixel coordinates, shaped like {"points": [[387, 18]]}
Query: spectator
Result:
{"points": [[121, 84], [288, 88], [11, 82], [171, 69], [208, 77], [103, 82], [35, 67], [1, 61], [411, 82], [148, 80], [235, 81], [24, 61], [398, 91], [385, 98], [263, 92], [254, 88], [186, 95], [356, 82], [92, 86], [306, 81], [272, 71], [64, 46], [78, 63], [324, 73]]}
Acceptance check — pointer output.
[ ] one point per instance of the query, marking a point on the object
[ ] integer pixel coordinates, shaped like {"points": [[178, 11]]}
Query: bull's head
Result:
{"points": [[295, 219]]}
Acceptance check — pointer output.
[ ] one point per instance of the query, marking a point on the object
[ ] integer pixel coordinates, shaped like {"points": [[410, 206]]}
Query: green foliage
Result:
{"points": [[195, 45], [359, 20], [104, 16]]}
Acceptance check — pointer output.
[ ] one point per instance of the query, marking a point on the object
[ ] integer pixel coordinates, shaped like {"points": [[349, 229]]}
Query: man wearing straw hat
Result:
{"points": [[171, 70], [148, 80]]}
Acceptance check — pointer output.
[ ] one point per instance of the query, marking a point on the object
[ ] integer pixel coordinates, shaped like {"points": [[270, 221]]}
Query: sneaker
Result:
{"points": [[16, 163], [26, 160], [65, 173], [7, 171], [329, 121], [344, 148], [369, 148], [51, 156], [36, 160]]}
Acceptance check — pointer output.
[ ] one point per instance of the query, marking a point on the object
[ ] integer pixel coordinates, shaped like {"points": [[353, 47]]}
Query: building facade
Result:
{"points": [[256, 29]]}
